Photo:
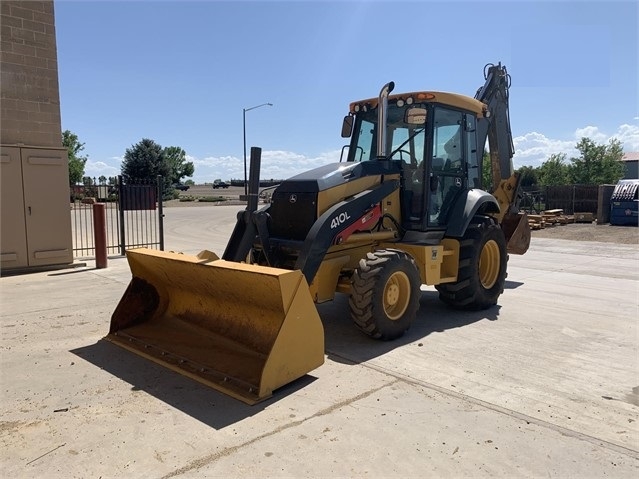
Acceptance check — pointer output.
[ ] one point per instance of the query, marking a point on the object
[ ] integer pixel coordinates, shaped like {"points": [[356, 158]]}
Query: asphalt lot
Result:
{"points": [[544, 384]]}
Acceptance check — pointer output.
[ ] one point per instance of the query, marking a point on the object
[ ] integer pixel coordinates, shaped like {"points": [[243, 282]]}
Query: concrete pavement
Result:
{"points": [[544, 384]]}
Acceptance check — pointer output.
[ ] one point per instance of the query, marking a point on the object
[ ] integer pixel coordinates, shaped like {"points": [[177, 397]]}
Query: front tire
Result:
{"points": [[482, 268], [385, 294]]}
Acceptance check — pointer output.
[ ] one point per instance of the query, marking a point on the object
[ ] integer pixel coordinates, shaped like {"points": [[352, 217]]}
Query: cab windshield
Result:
{"points": [[404, 141]]}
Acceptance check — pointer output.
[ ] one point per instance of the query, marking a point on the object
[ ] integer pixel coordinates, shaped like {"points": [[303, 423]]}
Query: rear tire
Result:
{"points": [[482, 267], [385, 294]]}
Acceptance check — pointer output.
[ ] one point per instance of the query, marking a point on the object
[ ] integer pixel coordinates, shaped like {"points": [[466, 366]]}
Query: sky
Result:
{"points": [[182, 73]]}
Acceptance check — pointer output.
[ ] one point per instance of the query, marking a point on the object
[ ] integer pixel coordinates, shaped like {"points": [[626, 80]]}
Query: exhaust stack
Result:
{"points": [[382, 106]]}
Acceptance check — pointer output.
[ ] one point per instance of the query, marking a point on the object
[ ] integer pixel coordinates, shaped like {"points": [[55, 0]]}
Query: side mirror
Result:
{"points": [[347, 127]]}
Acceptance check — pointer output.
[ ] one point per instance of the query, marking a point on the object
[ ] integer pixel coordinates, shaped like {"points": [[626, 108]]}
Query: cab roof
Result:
{"points": [[453, 99]]}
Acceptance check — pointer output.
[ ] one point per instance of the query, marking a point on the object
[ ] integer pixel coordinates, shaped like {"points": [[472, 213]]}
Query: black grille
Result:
{"points": [[292, 214]]}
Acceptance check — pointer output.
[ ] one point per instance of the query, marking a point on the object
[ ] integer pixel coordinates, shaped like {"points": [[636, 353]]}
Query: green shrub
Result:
{"points": [[211, 199]]}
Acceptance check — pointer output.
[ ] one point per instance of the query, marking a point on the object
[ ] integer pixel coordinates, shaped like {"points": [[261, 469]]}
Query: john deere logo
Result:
{"points": [[292, 198]]}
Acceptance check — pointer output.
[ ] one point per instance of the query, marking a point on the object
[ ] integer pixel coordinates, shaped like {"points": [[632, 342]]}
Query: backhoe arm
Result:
{"points": [[495, 126]]}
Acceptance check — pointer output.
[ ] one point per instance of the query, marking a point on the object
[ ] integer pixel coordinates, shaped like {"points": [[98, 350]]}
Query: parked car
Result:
{"points": [[220, 184], [180, 187]]}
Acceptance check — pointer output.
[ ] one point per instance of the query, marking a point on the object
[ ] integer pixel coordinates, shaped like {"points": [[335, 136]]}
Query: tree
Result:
{"points": [[76, 162], [180, 168], [144, 161], [598, 164], [102, 180], [486, 172], [528, 176], [554, 171]]}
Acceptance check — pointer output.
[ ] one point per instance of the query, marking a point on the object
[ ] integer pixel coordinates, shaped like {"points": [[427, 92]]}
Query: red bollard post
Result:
{"points": [[100, 236]]}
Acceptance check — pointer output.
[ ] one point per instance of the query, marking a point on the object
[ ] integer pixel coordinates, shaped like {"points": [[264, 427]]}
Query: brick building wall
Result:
{"points": [[29, 93]]}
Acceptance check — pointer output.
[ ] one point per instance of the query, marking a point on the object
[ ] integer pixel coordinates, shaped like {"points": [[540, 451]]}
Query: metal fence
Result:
{"points": [[573, 198], [83, 232], [134, 216], [570, 198]]}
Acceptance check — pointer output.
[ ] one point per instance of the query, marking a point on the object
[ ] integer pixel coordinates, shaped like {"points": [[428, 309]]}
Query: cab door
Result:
{"points": [[448, 165]]}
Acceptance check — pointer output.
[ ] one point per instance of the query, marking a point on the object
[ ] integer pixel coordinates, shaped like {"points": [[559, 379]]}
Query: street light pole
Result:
{"points": [[244, 110]]}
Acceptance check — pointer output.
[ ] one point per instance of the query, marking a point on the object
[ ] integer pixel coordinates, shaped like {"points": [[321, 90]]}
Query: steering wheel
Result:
{"points": [[407, 153]]}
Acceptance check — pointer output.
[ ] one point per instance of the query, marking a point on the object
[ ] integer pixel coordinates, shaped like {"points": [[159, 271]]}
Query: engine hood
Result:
{"points": [[334, 174]]}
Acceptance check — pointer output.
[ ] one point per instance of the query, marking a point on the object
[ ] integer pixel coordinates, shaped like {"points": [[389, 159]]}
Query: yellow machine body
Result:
{"points": [[245, 330], [247, 324]]}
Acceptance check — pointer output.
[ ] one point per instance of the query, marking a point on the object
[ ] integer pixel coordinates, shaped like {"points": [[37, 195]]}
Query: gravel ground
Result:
{"points": [[591, 232]]}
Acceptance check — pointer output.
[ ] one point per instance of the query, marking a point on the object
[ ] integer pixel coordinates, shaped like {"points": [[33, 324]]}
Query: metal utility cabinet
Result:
{"points": [[35, 228]]}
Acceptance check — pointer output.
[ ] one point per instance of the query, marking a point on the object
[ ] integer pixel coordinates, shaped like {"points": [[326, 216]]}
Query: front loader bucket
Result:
{"points": [[242, 329], [517, 232]]}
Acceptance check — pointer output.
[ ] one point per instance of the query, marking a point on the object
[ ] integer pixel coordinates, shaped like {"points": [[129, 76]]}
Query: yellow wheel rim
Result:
{"points": [[396, 295], [489, 263]]}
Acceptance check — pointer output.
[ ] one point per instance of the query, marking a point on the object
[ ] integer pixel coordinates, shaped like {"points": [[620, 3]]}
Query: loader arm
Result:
{"points": [[333, 222], [250, 222]]}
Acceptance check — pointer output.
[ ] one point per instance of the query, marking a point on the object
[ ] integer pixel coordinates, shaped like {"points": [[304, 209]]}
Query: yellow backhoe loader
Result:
{"points": [[405, 206]]}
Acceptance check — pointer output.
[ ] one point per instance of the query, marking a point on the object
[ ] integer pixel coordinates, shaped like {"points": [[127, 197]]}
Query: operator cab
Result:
{"points": [[434, 146]]}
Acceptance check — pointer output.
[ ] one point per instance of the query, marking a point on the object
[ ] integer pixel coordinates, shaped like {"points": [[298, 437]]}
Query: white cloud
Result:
{"points": [[100, 168], [591, 132], [628, 135], [535, 148], [274, 164]]}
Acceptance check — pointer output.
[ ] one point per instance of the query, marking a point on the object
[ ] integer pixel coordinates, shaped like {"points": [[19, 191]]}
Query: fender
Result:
{"points": [[466, 206]]}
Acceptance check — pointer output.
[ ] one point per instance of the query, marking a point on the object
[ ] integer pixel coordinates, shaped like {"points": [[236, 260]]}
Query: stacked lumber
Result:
{"points": [[549, 218], [584, 217]]}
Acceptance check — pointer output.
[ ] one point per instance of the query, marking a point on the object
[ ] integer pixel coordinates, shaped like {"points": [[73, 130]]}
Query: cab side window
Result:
{"points": [[447, 138], [472, 157]]}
